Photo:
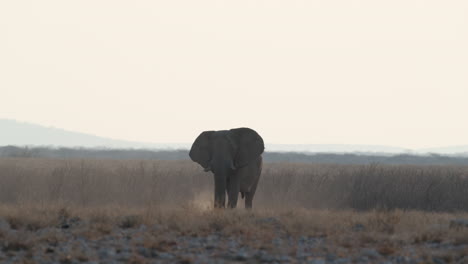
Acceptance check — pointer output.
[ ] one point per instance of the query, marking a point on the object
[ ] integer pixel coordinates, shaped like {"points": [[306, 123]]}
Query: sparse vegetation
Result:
{"points": [[284, 186], [182, 154], [163, 210]]}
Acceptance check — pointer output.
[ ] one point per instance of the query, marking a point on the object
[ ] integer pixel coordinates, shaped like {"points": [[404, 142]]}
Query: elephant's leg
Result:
{"points": [[233, 191], [250, 195], [220, 191]]}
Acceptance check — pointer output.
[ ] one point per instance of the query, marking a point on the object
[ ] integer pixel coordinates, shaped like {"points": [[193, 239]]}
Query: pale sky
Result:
{"points": [[299, 72]]}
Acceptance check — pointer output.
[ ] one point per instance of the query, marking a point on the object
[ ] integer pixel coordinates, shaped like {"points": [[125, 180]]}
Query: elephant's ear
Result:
{"points": [[249, 145], [201, 149]]}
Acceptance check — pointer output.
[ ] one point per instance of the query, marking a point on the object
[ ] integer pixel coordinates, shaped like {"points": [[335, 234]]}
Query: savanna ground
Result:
{"points": [[116, 211]]}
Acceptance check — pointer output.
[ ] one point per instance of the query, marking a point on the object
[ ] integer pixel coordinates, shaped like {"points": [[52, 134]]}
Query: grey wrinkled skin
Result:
{"points": [[234, 158]]}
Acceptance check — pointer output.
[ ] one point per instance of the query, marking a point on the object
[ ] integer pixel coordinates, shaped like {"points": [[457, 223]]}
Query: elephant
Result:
{"points": [[235, 158]]}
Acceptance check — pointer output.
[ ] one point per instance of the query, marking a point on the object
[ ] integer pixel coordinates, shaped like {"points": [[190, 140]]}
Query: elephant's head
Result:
{"points": [[226, 150]]}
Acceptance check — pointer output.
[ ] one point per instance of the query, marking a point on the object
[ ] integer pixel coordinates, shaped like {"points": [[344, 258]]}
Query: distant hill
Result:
{"points": [[26, 134]]}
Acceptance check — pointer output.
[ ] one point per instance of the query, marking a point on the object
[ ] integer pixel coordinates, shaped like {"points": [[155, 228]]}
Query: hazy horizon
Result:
{"points": [[23, 134], [299, 72]]}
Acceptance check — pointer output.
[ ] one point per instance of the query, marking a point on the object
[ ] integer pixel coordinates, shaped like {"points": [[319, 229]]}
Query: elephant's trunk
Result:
{"points": [[222, 169], [220, 190]]}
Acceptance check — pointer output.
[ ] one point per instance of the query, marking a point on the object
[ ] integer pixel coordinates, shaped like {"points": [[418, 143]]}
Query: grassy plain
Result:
{"points": [[353, 206]]}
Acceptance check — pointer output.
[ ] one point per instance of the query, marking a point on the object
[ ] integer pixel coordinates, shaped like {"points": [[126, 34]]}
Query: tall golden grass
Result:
{"points": [[283, 186]]}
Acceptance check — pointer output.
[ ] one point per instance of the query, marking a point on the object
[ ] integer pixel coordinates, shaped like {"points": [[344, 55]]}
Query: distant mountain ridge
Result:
{"points": [[26, 134]]}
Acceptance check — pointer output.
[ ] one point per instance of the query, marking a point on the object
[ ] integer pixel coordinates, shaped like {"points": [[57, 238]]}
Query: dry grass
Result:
{"points": [[283, 186], [387, 230], [352, 205]]}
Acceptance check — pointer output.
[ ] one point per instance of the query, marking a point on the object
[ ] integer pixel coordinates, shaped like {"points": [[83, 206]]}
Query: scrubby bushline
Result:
{"points": [[182, 154], [283, 186]]}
